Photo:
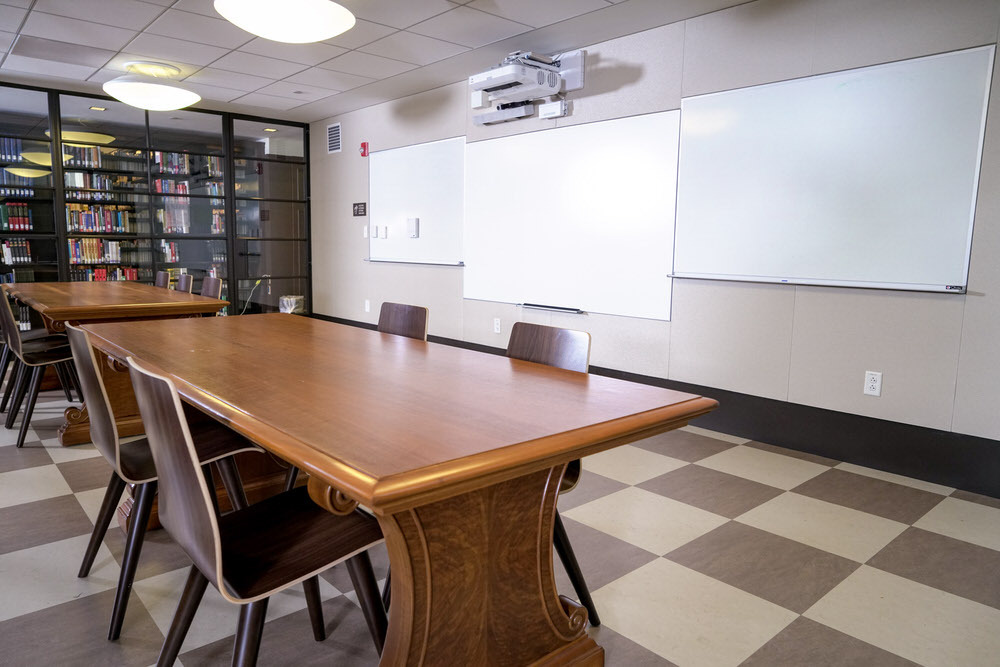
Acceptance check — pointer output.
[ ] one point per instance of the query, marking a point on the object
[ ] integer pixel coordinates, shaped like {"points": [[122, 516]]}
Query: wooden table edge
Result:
{"points": [[118, 311]]}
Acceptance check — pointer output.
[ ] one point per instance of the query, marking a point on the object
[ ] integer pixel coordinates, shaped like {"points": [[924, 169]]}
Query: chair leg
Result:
{"points": [[248, 633], [231, 480], [194, 590], [387, 589], [75, 379], [315, 605], [363, 578], [64, 382], [20, 386], [133, 547], [290, 476], [8, 390], [5, 358], [111, 496], [568, 558], [36, 383]]}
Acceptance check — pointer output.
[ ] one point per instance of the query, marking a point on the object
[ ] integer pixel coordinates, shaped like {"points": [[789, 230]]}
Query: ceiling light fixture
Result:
{"points": [[292, 21], [42, 158], [148, 86], [98, 108], [270, 129], [83, 139], [26, 172]]}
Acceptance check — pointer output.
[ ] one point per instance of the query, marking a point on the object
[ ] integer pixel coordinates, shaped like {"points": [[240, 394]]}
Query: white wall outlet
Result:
{"points": [[873, 383], [496, 325], [368, 306]]}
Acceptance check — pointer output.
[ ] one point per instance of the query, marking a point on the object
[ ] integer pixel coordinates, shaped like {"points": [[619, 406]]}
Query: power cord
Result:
{"points": [[252, 289]]}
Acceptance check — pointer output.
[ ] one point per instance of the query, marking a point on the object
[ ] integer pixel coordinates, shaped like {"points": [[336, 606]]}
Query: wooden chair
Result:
{"points": [[403, 320], [9, 361], [569, 349], [211, 287], [254, 552], [132, 463], [185, 283], [162, 279]]}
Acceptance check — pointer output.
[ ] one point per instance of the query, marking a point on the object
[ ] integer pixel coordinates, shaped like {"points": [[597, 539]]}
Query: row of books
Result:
{"points": [[18, 276], [22, 183], [170, 252], [96, 157], [11, 149], [76, 195], [14, 192], [180, 164], [168, 186], [104, 251], [81, 179], [23, 315], [104, 274], [111, 218], [16, 217], [16, 251]]}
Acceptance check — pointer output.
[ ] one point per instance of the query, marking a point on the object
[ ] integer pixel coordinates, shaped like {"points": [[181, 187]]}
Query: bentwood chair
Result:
{"points": [[211, 287], [9, 361], [132, 463], [162, 279], [569, 349], [255, 552], [185, 283]]}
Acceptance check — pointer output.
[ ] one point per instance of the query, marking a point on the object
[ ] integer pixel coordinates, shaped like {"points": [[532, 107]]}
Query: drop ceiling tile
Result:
{"points": [[413, 48], [117, 63], [47, 68], [362, 33], [74, 31], [214, 93], [198, 28], [162, 3], [18, 3], [536, 13], [268, 101], [10, 18], [324, 78], [60, 52], [168, 48], [397, 14], [120, 13], [296, 91], [307, 54], [248, 63], [224, 79], [6, 39], [469, 27], [103, 75], [364, 64], [203, 7]]}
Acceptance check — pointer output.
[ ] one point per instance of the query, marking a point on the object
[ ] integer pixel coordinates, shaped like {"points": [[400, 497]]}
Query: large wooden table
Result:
{"points": [[458, 453]]}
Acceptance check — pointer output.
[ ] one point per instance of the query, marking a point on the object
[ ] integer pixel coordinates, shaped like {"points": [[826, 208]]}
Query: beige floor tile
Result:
{"points": [[898, 479], [645, 519], [9, 438], [31, 484], [631, 465], [62, 454], [834, 528], [918, 622], [687, 617], [216, 617], [91, 500], [44, 576], [963, 520], [769, 468], [734, 439]]}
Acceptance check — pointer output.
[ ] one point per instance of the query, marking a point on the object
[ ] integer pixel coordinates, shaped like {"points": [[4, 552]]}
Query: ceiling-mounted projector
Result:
{"points": [[524, 76]]}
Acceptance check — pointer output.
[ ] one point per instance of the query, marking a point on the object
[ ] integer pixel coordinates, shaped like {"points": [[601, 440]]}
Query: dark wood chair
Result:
{"points": [[403, 320], [569, 349], [211, 287], [185, 283], [9, 361], [162, 279], [132, 463], [254, 552]]}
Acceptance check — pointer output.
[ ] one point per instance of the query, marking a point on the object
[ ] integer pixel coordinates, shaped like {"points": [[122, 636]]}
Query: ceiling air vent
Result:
{"points": [[333, 138]]}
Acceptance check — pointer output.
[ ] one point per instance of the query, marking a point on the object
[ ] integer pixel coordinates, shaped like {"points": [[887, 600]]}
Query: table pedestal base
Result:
{"points": [[473, 583]]}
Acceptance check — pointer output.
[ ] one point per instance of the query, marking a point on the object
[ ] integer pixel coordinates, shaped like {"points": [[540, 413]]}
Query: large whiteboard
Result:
{"points": [[863, 178], [575, 217], [423, 181]]}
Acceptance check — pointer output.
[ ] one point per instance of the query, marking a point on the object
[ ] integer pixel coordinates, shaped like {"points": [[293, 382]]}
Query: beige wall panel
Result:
{"points": [[435, 114], [732, 336], [755, 43], [477, 321], [856, 33], [623, 343], [911, 338], [437, 288]]}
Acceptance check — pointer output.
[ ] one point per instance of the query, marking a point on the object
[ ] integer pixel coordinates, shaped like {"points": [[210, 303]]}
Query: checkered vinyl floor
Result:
{"points": [[699, 548]]}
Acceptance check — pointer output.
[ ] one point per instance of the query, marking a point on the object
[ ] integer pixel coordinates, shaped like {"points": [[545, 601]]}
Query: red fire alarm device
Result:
{"points": [[364, 149]]}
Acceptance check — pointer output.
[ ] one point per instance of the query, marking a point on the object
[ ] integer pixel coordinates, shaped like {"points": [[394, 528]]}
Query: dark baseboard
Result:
{"points": [[952, 459]]}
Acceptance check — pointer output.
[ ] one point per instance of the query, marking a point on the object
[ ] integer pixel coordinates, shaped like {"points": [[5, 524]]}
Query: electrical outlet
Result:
{"points": [[873, 383], [496, 325], [368, 306]]}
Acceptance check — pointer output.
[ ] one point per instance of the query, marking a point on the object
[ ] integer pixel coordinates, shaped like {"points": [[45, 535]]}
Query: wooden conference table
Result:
{"points": [[458, 453]]}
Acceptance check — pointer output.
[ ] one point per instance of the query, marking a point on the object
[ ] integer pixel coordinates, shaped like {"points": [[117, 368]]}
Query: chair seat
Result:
{"points": [[282, 540], [41, 334], [41, 352]]}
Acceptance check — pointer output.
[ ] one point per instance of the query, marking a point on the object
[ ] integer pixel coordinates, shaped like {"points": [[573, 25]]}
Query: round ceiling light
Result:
{"points": [[83, 139], [292, 21], [147, 87], [26, 172], [41, 157]]}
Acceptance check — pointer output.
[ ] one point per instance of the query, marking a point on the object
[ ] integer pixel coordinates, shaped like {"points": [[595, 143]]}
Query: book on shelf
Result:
{"points": [[16, 217], [18, 276], [167, 186], [172, 163], [105, 251], [16, 251], [104, 274], [95, 157], [11, 149], [108, 218], [170, 251], [87, 181]]}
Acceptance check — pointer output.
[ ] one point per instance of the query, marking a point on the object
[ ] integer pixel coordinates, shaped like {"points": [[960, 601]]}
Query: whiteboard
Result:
{"points": [[866, 177], [575, 217], [423, 181]]}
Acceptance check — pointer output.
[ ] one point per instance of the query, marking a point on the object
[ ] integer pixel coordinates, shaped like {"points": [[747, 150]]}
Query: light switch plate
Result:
{"points": [[413, 227]]}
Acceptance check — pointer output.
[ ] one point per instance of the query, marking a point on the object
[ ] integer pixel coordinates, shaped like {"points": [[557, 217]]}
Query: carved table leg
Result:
{"points": [[76, 430], [473, 581]]}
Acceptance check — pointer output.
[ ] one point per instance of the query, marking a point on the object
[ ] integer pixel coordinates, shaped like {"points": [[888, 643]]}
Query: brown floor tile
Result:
{"points": [[602, 558], [806, 642], [977, 498], [76, 633], [794, 453], [945, 563], [31, 524], [685, 446], [591, 487], [288, 641], [46, 428], [867, 494], [30, 456], [775, 568], [339, 577], [159, 555], [712, 490], [86, 474], [622, 652]]}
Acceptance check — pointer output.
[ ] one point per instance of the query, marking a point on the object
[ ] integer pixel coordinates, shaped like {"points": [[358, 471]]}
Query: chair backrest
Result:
{"points": [[403, 320], [103, 430], [185, 506], [563, 348], [211, 287], [162, 279], [11, 334], [185, 283]]}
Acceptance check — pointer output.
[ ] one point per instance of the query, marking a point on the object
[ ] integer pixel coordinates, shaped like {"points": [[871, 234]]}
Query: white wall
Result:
{"points": [[939, 354]]}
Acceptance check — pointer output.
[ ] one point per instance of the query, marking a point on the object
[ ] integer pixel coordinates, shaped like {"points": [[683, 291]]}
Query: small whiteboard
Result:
{"points": [[575, 217], [862, 178], [423, 182]]}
